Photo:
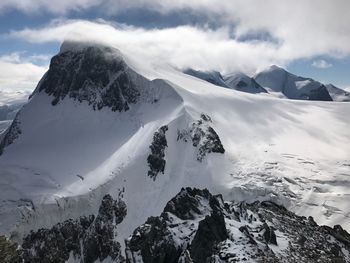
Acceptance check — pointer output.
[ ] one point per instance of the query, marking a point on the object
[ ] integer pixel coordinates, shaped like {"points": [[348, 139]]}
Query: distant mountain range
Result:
{"points": [[276, 81]]}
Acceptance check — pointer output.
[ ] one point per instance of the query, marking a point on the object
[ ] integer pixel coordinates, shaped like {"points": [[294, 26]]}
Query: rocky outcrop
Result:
{"points": [[211, 231], [156, 159], [90, 73], [196, 226], [88, 238], [94, 74], [9, 252], [203, 137], [164, 238]]}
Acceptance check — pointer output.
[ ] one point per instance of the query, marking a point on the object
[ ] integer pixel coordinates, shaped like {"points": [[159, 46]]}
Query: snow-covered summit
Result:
{"points": [[338, 94], [277, 79], [213, 77], [237, 81], [242, 82]]}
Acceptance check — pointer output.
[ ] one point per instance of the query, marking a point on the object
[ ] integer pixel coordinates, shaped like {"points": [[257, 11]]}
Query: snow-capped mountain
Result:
{"points": [[278, 80], [237, 81], [242, 82], [338, 94], [275, 81], [213, 77], [103, 129]]}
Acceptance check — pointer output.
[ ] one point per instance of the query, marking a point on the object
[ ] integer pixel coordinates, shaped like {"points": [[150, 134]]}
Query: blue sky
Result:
{"points": [[237, 35]]}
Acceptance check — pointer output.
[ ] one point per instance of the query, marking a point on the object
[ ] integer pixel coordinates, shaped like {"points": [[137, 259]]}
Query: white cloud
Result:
{"points": [[19, 74], [184, 46], [303, 27], [321, 63]]}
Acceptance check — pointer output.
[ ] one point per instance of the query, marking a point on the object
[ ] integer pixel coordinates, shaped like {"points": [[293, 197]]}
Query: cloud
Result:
{"points": [[183, 46], [303, 27], [322, 64], [17, 73]]}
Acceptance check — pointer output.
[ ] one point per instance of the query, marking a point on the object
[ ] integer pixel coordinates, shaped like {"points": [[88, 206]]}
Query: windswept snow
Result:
{"points": [[296, 153]]}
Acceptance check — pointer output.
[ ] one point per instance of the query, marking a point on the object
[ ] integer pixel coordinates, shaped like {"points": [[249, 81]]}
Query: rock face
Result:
{"points": [[9, 252], [94, 74], [196, 226], [156, 161], [87, 238], [203, 137], [165, 238]]}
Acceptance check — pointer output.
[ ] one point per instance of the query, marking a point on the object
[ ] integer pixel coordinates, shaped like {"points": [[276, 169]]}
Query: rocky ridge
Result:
{"points": [[195, 226], [202, 136]]}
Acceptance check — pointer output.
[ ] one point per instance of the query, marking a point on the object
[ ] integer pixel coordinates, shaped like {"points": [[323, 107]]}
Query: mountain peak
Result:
{"points": [[275, 68], [87, 71], [76, 46]]}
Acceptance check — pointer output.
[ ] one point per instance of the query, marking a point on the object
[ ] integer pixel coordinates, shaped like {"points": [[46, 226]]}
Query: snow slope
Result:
{"points": [[68, 156]]}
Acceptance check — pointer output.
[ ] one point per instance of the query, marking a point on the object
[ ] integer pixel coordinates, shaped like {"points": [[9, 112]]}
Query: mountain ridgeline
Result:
{"points": [[275, 80], [194, 227]]}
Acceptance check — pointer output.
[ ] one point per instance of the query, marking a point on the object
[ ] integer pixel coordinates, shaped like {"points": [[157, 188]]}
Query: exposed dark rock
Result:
{"points": [[87, 238], [153, 240], [269, 235], [94, 74], [203, 137], [210, 232], [245, 231], [186, 205], [9, 252], [156, 161], [320, 93], [185, 257], [196, 226]]}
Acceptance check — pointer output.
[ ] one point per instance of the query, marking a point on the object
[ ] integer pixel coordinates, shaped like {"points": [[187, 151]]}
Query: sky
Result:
{"points": [[309, 38]]}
